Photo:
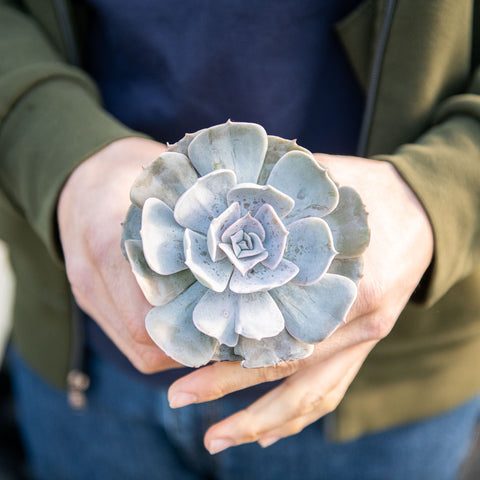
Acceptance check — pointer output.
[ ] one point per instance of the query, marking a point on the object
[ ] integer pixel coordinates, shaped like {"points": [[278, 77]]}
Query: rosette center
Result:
{"points": [[242, 242], [246, 244]]}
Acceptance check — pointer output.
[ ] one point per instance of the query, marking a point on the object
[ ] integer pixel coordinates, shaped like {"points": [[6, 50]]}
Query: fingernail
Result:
{"points": [[219, 444], [267, 441], [181, 399]]}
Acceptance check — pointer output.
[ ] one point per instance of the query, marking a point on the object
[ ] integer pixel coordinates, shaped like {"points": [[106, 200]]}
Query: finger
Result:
{"points": [[120, 294], [146, 358], [221, 378], [294, 398], [128, 302], [296, 425], [118, 322]]}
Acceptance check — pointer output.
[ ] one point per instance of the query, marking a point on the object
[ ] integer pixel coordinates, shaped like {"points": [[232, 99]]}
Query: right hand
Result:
{"points": [[400, 251], [91, 207]]}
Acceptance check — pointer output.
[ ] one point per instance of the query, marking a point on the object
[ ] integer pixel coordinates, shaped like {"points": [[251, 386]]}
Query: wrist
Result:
{"points": [[399, 223]]}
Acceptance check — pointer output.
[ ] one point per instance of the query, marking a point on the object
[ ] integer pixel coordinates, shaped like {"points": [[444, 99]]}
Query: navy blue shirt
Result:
{"points": [[170, 67]]}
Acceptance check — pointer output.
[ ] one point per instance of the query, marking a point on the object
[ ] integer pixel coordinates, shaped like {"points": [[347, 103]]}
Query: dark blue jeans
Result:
{"points": [[128, 431]]}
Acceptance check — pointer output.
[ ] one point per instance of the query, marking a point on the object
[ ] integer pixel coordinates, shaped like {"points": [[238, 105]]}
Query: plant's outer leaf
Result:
{"points": [[226, 315], [224, 353], [300, 177], [158, 289], [171, 328], [182, 145], [351, 268], [310, 248], [258, 316], [277, 148], [349, 224], [216, 314], [271, 351], [162, 238], [314, 312], [166, 178], [240, 147], [131, 227]]}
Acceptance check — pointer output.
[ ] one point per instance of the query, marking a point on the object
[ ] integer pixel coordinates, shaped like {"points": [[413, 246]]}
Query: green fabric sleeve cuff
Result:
{"points": [[443, 169], [53, 127]]}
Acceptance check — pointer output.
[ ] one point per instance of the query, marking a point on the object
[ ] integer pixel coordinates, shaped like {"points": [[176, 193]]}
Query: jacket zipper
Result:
{"points": [[372, 93], [78, 380], [67, 32]]}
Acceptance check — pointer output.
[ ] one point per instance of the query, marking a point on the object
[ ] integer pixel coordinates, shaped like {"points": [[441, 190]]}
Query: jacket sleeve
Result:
{"points": [[443, 168], [50, 120]]}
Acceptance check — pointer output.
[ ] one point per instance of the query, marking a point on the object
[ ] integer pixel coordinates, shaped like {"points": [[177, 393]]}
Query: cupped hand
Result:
{"points": [[399, 253], [91, 208]]}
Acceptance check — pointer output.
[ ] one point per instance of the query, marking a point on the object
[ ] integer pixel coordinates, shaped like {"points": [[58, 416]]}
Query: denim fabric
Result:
{"points": [[128, 431]]}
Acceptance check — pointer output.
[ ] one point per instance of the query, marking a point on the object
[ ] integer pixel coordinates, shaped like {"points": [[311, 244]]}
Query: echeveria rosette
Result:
{"points": [[245, 246]]}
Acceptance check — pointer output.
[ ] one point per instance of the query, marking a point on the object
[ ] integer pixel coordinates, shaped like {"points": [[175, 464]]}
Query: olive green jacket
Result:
{"points": [[416, 61]]}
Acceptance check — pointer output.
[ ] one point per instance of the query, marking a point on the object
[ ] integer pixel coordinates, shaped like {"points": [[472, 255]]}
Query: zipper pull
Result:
{"points": [[77, 386]]}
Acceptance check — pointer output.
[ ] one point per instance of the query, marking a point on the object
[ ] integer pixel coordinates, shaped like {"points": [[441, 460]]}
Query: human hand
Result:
{"points": [[91, 207], [400, 251]]}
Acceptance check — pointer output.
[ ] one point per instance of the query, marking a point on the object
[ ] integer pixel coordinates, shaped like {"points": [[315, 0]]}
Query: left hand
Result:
{"points": [[91, 208], [400, 251]]}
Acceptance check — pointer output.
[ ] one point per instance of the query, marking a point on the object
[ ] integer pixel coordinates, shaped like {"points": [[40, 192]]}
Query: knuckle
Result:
{"points": [[144, 363], [218, 383], [135, 326], [97, 246], [376, 327], [266, 374], [76, 270], [282, 370], [286, 369], [79, 277], [143, 366], [330, 404], [309, 402], [140, 365], [250, 437], [216, 391], [217, 387], [296, 427], [250, 433], [371, 296], [137, 331], [246, 425]]}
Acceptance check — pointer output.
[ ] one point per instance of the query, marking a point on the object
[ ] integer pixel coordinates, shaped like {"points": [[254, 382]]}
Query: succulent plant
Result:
{"points": [[244, 246]]}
